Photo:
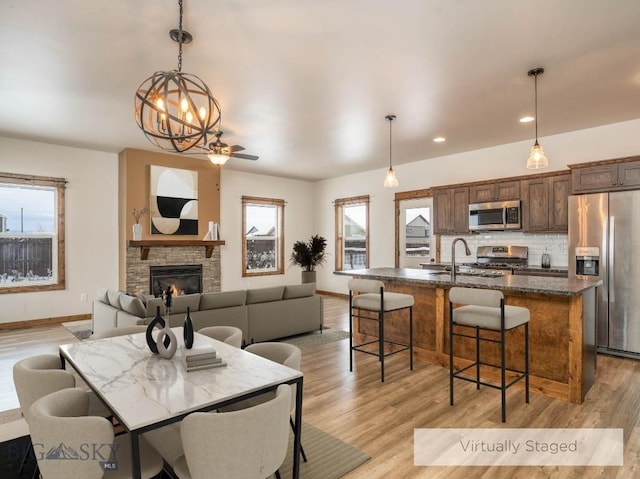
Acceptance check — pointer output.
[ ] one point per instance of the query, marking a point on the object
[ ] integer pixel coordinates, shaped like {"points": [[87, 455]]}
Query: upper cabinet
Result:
{"points": [[451, 210], [620, 175], [500, 191], [545, 203]]}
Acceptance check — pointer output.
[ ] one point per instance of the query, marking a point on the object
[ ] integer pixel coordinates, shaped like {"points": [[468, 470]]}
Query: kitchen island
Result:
{"points": [[562, 328]]}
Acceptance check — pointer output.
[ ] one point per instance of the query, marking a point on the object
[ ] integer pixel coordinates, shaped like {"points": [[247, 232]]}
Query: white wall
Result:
{"points": [[91, 232], [92, 217], [609, 141], [298, 219]]}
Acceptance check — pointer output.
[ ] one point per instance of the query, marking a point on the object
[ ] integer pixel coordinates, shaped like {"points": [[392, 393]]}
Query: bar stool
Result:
{"points": [[370, 296], [485, 310]]}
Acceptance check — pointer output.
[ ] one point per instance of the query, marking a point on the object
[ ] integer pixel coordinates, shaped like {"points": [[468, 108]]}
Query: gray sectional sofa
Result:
{"points": [[262, 314]]}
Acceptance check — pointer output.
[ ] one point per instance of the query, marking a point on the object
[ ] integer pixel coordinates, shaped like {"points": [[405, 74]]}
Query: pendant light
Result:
{"points": [[176, 110], [391, 180], [537, 158]]}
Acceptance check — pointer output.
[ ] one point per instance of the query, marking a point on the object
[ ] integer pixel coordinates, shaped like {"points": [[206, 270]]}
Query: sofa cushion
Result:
{"points": [[133, 305], [225, 299], [102, 295], [179, 304], [114, 298], [264, 295], [299, 290]]}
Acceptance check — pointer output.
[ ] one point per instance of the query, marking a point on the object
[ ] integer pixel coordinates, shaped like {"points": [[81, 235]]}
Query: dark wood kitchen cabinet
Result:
{"points": [[545, 203], [499, 191], [606, 176], [450, 210]]}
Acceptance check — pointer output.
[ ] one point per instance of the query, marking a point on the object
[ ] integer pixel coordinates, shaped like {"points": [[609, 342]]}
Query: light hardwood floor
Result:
{"points": [[380, 418]]}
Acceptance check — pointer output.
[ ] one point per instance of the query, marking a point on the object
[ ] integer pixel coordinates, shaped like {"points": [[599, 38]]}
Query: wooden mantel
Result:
{"points": [[145, 245]]}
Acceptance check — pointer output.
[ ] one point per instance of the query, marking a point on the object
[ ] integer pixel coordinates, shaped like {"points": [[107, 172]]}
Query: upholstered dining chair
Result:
{"points": [[114, 332], [227, 334], [285, 354], [244, 444], [37, 376], [63, 431]]}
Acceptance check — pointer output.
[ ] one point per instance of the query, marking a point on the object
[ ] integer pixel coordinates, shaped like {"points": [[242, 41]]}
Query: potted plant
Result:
{"points": [[308, 255], [137, 227]]}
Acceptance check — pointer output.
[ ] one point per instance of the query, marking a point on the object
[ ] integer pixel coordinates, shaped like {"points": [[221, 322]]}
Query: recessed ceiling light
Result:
{"points": [[526, 119], [439, 139]]}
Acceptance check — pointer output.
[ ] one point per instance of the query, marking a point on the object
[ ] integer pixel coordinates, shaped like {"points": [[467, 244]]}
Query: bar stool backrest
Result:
{"points": [[478, 297], [365, 285]]}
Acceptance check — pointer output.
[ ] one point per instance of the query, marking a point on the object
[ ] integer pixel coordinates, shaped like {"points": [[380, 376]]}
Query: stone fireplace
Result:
{"points": [[183, 279], [138, 270]]}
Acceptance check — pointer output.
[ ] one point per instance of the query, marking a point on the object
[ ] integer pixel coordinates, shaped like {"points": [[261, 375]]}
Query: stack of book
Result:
{"points": [[202, 357]]}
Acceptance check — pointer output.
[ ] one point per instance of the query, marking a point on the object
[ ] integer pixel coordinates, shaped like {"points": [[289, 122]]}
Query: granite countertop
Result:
{"points": [[527, 284], [529, 267]]}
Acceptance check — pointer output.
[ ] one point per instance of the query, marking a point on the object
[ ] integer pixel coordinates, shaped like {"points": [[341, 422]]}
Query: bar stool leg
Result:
{"points": [[503, 375], [526, 361], [411, 337], [350, 332], [477, 357], [450, 356], [381, 342]]}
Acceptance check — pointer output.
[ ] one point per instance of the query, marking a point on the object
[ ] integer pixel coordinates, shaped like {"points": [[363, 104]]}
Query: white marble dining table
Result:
{"points": [[145, 391]]}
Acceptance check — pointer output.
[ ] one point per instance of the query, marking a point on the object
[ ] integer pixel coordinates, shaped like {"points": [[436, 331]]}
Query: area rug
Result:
{"points": [[80, 329], [328, 457], [316, 338]]}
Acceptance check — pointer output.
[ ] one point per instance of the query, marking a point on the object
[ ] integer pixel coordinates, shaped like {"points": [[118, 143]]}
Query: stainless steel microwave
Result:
{"points": [[496, 216]]}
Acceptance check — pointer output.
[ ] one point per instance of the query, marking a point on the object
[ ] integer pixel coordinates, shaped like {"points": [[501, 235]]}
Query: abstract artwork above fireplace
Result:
{"points": [[174, 201]]}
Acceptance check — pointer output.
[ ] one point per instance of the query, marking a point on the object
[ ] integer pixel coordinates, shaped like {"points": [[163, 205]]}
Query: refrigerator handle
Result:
{"points": [[611, 251]]}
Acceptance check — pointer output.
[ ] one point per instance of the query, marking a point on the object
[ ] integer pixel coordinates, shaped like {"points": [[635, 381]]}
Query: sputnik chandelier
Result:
{"points": [[176, 110]]}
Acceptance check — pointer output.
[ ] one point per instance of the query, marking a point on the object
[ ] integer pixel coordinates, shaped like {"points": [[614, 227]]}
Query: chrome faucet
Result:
{"points": [[453, 255]]}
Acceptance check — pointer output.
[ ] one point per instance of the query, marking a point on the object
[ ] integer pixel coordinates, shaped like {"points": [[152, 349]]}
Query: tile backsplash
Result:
{"points": [[555, 244]]}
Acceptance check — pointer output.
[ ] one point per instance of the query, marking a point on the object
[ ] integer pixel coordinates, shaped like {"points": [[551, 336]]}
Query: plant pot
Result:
{"points": [[308, 277], [137, 232]]}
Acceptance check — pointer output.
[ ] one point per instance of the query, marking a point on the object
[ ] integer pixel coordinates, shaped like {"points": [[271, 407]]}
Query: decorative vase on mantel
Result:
{"points": [[137, 232]]}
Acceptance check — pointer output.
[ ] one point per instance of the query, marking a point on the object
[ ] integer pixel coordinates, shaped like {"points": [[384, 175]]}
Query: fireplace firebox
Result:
{"points": [[183, 279]]}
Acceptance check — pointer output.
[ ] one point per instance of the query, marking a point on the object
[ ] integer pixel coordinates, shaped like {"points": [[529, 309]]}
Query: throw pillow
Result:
{"points": [[133, 306]]}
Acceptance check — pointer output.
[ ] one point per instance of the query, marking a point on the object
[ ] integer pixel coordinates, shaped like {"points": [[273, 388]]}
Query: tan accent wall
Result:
{"points": [[134, 192]]}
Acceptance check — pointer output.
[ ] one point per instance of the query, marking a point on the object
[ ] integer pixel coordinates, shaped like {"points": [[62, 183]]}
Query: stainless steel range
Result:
{"points": [[501, 259]]}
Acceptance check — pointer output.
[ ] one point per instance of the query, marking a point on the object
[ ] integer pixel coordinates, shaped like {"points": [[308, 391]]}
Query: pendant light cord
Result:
{"points": [[180, 38], [390, 121], [535, 82]]}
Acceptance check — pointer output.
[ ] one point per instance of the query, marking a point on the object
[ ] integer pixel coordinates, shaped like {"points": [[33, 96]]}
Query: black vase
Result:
{"points": [[188, 331], [157, 322]]}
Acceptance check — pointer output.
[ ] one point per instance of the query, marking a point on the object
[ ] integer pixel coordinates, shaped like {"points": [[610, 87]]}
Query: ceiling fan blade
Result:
{"points": [[244, 157], [234, 148]]}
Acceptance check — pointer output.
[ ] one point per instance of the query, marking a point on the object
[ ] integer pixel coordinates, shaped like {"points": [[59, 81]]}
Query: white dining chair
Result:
{"points": [[244, 444], [227, 334], [75, 445]]}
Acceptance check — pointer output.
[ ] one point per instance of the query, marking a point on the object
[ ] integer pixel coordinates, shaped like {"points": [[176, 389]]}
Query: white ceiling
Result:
{"points": [[306, 84]]}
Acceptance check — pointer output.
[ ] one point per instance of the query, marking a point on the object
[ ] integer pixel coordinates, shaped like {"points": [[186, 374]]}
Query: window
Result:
{"points": [[352, 233], [414, 242], [263, 236], [417, 221], [31, 233]]}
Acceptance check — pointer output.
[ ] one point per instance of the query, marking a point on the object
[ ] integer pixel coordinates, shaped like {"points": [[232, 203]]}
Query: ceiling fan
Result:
{"points": [[220, 152]]}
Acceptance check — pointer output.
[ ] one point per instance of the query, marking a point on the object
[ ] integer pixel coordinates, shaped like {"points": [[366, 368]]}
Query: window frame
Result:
{"points": [[60, 185], [435, 239], [339, 204], [279, 203]]}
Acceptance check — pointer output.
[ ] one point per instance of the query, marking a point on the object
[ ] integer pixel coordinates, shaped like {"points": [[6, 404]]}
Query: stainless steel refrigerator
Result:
{"points": [[604, 241]]}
